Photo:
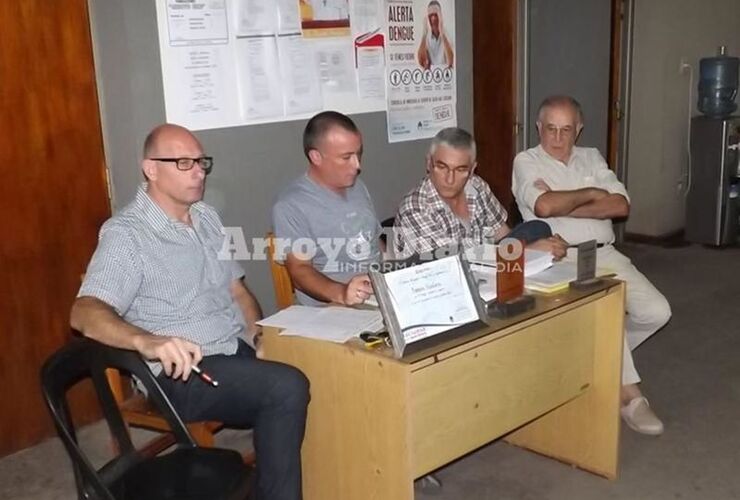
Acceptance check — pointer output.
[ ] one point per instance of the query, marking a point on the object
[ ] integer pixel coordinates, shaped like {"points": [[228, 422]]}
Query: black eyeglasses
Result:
{"points": [[205, 162]]}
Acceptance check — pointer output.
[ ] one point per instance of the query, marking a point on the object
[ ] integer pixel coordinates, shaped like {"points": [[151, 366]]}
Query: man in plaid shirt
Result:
{"points": [[453, 209]]}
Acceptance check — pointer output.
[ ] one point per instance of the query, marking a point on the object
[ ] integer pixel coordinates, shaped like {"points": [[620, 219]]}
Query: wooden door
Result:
{"points": [[494, 91], [53, 198]]}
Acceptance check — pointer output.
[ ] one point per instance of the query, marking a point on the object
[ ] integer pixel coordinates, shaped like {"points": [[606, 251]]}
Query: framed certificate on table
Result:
{"points": [[423, 304]]}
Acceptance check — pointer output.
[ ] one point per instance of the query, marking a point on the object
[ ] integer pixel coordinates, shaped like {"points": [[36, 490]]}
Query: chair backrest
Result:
{"points": [[284, 291], [84, 358], [387, 226]]}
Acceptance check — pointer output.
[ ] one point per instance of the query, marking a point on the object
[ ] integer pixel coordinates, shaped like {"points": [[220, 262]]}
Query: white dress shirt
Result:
{"points": [[585, 168]]}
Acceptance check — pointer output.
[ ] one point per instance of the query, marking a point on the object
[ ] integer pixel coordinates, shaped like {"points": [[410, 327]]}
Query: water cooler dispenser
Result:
{"points": [[712, 200]]}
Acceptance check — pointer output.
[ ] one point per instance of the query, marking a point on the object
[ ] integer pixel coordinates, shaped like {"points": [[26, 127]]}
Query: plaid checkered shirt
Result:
{"points": [[425, 223]]}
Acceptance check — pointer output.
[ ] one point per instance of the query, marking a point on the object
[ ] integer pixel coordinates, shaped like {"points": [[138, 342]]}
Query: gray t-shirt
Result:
{"points": [[165, 276], [341, 232]]}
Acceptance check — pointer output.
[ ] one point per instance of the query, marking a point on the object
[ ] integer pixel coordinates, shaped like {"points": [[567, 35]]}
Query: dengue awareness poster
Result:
{"points": [[420, 68]]}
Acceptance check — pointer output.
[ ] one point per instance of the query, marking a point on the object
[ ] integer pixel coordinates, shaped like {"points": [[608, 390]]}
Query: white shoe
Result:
{"points": [[639, 417]]}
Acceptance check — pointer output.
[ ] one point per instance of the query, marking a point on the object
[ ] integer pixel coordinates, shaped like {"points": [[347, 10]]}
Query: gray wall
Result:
{"points": [[569, 54], [252, 163], [665, 33]]}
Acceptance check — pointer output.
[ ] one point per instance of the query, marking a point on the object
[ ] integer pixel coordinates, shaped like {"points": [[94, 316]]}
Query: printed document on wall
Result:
{"points": [[259, 77], [256, 17], [365, 15], [300, 77], [197, 65], [228, 63], [370, 63], [335, 61], [421, 85], [195, 22], [201, 87], [289, 17]]}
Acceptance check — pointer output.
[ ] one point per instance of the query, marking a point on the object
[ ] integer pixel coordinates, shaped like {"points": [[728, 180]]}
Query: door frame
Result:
{"points": [[496, 121]]}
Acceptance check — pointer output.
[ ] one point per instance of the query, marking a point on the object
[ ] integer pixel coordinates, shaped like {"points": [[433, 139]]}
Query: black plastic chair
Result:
{"points": [[188, 472]]}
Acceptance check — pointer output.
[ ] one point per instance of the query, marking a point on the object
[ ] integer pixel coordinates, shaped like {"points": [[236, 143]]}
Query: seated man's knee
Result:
{"points": [[656, 311], [292, 388], [662, 311]]}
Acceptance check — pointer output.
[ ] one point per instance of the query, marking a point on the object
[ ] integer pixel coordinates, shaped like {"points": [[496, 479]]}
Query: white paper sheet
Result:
{"points": [[371, 72], [365, 16], [197, 22], [256, 17], [259, 77], [300, 79], [333, 323], [201, 86], [336, 67], [289, 17]]}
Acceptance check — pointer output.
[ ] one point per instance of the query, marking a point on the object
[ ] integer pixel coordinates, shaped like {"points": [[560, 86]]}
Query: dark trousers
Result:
{"points": [[269, 397], [531, 231]]}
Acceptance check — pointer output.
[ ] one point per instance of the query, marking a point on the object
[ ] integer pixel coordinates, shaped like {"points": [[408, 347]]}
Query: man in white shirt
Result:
{"points": [[573, 190]]}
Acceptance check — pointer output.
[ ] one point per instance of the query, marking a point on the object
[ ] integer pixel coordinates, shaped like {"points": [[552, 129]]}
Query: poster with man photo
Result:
{"points": [[420, 60], [435, 48]]}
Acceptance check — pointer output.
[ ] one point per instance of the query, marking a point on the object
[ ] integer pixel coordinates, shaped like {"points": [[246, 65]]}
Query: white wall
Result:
{"points": [[665, 33]]}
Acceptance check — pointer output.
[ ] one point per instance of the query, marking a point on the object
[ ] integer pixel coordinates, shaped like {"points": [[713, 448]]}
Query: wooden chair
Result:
{"points": [[284, 291]]}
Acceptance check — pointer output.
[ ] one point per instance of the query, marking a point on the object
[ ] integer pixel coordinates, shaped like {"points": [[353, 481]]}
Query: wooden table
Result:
{"points": [[547, 380]]}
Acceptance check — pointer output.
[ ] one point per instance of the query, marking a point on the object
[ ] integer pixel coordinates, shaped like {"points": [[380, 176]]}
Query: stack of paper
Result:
{"points": [[536, 261], [552, 280], [483, 259], [333, 323], [557, 277]]}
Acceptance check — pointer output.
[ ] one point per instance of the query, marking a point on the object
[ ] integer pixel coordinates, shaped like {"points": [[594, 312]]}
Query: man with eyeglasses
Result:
{"points": [[573, 189], [326, 217], [453, 209], [156, 285]]}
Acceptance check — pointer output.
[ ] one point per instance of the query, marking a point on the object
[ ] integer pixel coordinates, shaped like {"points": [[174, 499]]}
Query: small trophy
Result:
{"points": [[510, 298]]}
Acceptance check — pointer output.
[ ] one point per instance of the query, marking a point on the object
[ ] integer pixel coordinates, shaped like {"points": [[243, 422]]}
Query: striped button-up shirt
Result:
{"points": [[165, 276], [425, 223]]}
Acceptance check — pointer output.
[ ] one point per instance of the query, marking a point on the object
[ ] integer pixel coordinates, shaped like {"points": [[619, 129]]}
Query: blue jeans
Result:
{"points": [[270, 397], [531, 231]]}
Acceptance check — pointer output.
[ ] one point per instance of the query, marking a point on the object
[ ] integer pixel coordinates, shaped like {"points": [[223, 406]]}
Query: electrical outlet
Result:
{"points": [[683, 66]]}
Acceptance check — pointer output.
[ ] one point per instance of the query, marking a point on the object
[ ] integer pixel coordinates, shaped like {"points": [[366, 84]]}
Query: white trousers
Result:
{"points": [[647, 309]]}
